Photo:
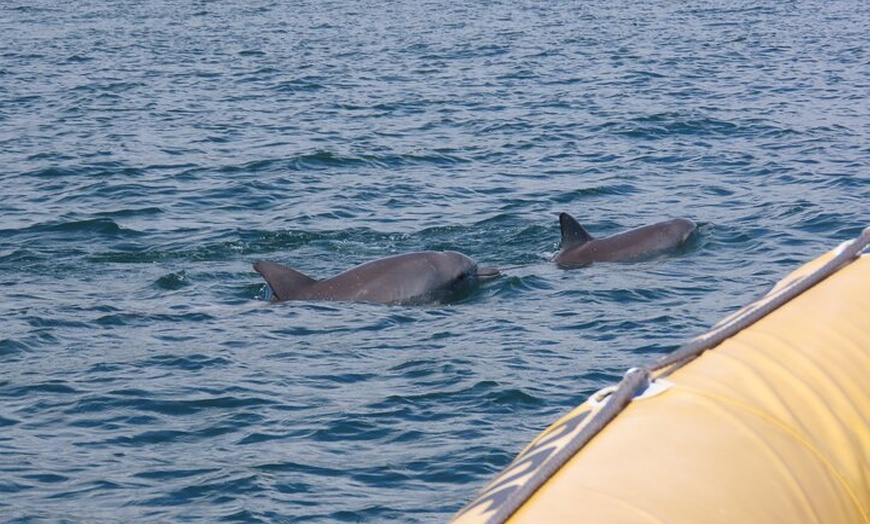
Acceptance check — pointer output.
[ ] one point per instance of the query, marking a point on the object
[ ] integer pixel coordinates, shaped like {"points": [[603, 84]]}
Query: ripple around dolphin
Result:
{"points": [[173, 281]]}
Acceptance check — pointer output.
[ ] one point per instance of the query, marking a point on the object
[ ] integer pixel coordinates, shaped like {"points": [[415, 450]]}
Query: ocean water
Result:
{"points": [[150, 152]]}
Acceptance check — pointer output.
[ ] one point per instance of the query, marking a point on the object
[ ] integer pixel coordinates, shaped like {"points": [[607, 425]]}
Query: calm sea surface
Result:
{"points": [[151, 151]]}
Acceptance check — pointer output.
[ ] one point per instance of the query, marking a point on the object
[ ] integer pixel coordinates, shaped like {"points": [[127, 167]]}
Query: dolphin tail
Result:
{"points": [[572, 232], [284, 281]]}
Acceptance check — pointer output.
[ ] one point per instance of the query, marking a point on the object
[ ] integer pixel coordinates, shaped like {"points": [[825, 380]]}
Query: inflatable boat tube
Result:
{"points": [[762, 419]]}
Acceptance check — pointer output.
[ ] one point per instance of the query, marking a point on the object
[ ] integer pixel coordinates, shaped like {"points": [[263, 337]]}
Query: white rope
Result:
{"points": [[690, 350]]}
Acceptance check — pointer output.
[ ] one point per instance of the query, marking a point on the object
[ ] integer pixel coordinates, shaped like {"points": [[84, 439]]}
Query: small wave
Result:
{"points": [[665, 125], [351, 428], [173, 281], [10, 346], [79, 230], [329, 160], [55, 387], [575, 195], [300, 85], [128, 405]]}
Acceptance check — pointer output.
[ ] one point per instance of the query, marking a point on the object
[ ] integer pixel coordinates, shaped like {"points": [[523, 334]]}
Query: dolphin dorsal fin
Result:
{"points": [[284, 281], [572, 232]]}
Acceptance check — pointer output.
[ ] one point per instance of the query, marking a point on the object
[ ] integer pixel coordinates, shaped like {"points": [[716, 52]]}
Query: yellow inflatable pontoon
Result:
{"points": [[762, 420]]}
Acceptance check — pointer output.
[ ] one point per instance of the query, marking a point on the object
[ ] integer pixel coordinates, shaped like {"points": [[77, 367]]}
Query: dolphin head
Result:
{"points": [[456, 267], [456, 274], [683, 227]]}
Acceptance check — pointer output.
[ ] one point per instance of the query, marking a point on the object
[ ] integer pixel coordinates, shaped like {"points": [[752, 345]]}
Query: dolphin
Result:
{"points": [[411, 278], [579, 248]]}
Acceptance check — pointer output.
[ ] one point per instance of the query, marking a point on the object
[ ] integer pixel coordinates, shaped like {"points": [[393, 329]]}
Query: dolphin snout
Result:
{"points": [[688, 226], [487, 272]]}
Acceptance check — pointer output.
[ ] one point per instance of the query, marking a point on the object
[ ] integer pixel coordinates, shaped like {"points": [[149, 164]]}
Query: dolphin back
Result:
{"points": [[580, 249], [415, 278], [410, 279], [286, 283]]}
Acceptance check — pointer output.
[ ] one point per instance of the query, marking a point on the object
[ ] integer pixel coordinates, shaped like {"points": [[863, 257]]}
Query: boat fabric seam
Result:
{"points": [[788, 431], [628, 504], [781, 461]]}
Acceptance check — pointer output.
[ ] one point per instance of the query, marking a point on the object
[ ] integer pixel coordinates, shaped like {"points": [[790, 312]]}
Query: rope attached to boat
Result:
{"points": [[753, 313], [636, 380]]}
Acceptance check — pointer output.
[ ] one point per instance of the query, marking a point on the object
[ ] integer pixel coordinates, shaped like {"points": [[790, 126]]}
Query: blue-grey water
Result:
{"points": [[151, 151]]}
